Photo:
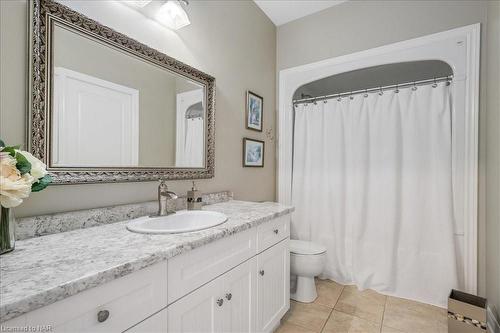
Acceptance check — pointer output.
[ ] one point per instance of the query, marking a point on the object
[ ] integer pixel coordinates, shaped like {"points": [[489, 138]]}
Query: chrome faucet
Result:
{"points": [[164, 196]]}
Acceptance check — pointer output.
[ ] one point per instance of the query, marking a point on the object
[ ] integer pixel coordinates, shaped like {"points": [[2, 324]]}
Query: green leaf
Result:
{"points": [[41, 184], [11, 150], [22, 164]]}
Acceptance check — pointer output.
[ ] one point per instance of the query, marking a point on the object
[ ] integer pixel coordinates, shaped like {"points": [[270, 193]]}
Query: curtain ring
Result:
{"points": [[366, 93], [325, 101], [351, 97], [434, 85], [448, 81], [414, 86], [380, 93], [397, 89], [339, 98]]}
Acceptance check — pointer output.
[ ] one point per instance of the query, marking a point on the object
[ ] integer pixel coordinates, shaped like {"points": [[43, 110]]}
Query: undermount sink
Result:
{"points": [[181, 221]]}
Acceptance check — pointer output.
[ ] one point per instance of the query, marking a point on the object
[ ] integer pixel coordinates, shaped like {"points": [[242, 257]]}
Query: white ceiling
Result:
{"points": [[283, 11]]}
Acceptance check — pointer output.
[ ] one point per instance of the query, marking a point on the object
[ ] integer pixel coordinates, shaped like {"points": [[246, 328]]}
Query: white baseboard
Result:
{"points": [[491, 319]]}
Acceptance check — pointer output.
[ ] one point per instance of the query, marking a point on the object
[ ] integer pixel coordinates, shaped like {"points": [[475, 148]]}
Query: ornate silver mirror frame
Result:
{"points": [[42, 15]]}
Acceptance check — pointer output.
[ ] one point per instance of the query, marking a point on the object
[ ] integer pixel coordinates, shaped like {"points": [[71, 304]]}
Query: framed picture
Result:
{"points": [[253, 153], [255, 111]]}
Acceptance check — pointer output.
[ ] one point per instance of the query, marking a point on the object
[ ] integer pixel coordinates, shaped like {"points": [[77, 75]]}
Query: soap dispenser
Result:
{"points": [[194, 200]]}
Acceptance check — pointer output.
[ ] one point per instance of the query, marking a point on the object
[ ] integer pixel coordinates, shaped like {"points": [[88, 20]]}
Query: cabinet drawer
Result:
{"points": [[128, 300], [195, 268], [273, 232]]}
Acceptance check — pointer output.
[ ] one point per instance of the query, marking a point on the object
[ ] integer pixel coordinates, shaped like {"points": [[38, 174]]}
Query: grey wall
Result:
{"points": [[231, 40], [359, 25], [493, 157]]}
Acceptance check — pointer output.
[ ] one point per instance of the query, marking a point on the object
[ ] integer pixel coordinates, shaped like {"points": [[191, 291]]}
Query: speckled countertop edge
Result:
{"points": [[47, 269]]}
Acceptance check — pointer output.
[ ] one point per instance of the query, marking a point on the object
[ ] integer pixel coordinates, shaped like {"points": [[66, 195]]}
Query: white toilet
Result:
{"points": [[307, 260]]}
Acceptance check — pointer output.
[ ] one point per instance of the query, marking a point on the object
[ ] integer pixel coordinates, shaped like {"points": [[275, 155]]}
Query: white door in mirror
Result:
{"points": [[78, 139], [182, 221]]}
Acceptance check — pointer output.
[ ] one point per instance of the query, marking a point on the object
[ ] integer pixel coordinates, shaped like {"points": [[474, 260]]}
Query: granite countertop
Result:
{"points": [[46, 269]]}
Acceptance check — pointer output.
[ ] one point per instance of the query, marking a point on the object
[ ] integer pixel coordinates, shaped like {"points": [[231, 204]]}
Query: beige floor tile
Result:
{"points": [[435, 312], [366, 304], [328, 292], [308, 315], [410, 316], [290, 328], [342, 322]]}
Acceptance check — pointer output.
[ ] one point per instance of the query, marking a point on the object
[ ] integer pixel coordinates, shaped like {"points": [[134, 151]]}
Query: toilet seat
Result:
{"points": [[306, 248]]}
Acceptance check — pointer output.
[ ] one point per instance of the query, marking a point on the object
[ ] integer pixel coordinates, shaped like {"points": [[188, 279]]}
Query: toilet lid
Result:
{"points": [[304, 247]]}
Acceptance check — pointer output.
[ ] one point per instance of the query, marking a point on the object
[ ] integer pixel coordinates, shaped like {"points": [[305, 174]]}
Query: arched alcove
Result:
{"points": [[454, 52], [376, 76]]}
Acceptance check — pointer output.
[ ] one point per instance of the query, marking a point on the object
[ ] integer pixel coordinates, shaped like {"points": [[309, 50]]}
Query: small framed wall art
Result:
{"points": [[254, 111], [253, 153]]}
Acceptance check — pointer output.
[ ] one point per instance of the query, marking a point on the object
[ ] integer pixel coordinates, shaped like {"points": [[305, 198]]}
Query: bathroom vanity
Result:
{"points": [[230, 278]]}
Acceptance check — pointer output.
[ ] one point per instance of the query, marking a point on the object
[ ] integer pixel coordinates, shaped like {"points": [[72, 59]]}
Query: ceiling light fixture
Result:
{"points": [[172, 14], [138, 3]]}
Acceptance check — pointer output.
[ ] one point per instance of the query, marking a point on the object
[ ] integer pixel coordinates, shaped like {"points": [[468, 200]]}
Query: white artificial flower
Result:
{"points": [[38, 168], [13, 187]]}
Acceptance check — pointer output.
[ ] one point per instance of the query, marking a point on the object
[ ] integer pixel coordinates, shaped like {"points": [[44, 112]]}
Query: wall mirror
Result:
{"points": [[106, 108]]}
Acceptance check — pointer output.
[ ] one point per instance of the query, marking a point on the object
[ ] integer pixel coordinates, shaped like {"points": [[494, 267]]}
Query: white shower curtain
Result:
{"points": [[372, 182], [193, 143]]}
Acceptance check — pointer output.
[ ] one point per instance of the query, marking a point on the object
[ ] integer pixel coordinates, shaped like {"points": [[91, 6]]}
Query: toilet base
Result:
{"points": [[305, 290]]}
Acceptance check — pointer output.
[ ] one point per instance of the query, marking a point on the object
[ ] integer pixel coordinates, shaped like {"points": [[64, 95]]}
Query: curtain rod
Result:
{"points": [[356, 92]]}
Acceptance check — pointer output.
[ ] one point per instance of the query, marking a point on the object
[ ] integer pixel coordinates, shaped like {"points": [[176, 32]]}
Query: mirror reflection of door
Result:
{"points": [[111, 109], [189, 151], [95, 122]]}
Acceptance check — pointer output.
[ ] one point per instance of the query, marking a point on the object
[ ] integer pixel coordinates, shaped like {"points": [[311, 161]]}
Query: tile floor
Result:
{"points": [[341, 308]]}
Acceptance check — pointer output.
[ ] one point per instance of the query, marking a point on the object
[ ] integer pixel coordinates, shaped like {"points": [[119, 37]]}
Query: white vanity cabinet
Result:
{"points": [[111, 307], [239, 283], [198, 311], [251, 297], [226, 304], [273, 286], [239, 298]]}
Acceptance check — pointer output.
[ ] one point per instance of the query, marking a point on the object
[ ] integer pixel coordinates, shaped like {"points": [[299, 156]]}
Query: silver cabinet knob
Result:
{"points": [[276, 231], [220, 301], [102, 315], [261, 272], [229, 296]]}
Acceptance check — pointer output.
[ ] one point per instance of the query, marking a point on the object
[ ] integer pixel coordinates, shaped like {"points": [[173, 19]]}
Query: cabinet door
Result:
{"points": [[201, 311], [240, 291], [273, 286]]}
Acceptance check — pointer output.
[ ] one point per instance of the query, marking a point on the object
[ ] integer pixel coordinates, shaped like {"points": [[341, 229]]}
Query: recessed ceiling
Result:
{"points": [[283, 11]]}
